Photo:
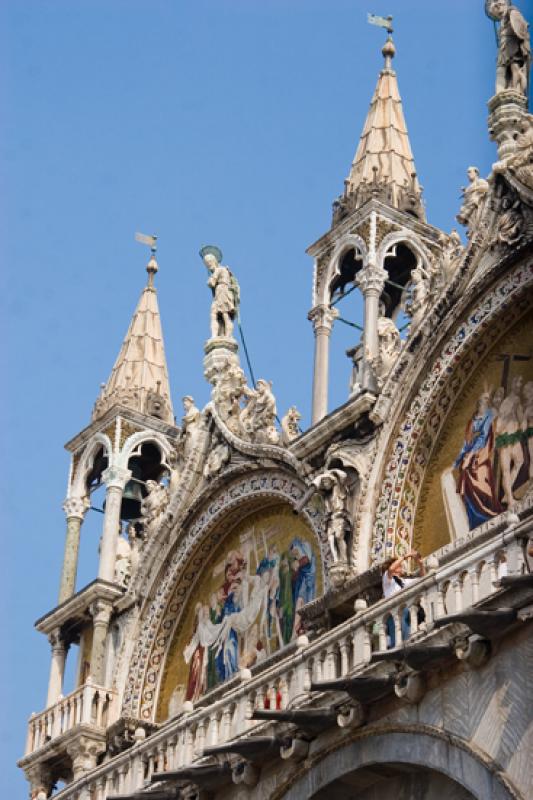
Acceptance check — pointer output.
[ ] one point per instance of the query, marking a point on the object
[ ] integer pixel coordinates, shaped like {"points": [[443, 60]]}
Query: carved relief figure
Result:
{"points": [[153, 505], [225, 290], [514, 51], [331, 484], [228, 389], [123, 562], [219, 454], [520, 162], [258, 418], [474, 198], [290, 428], [390, 345], [451, 253]]}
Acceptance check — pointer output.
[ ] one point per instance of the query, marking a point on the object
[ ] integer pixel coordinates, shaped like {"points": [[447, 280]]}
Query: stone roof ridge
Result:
{"points": [[383, 166], [139, 378]]}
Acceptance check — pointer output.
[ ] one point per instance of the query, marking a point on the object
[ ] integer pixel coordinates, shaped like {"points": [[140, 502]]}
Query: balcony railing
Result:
{"points": [[88, 705], [469, 576]]}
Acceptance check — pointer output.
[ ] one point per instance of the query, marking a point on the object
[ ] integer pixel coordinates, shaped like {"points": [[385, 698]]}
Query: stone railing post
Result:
{"points": [[75, 509], [115, 479], [322, 318]]}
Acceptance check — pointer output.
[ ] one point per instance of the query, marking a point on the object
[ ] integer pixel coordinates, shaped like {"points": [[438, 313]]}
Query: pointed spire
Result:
{"points": [[383, 166], [139, 378]]}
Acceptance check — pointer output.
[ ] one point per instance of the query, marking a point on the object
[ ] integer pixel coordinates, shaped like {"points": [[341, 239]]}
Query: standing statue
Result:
{"points": [[226, 293], [452, 248], [123, 562], [419, 294], [190, 423], [514, 51], [290, 429], [331, 484], [474, 198]]}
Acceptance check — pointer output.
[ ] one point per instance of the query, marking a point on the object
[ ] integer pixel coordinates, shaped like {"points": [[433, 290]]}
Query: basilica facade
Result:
{"points": [[237, 641]]}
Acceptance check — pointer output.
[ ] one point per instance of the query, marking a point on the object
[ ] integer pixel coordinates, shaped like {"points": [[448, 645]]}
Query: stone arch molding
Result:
{"points": [[408, 455], [350, 240], [216, 518], [78, 488], [403, 237], [418, 746]]}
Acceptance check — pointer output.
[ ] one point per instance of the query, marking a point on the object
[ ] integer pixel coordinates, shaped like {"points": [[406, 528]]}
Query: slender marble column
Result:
{"points": [[371, 280], [75, 509], [115, 479], [57, 668], [101, 613], [322, 318]]}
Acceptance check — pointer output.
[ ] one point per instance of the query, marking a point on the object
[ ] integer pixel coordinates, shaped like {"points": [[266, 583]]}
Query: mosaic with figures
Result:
{"points": [[245, 605], [483, 462]]}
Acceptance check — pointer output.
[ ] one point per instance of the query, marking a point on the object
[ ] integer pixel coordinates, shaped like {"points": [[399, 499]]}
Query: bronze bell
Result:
{"points": [[133, 494]]}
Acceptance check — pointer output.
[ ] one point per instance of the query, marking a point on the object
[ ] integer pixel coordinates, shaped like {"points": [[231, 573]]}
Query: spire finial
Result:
{"points": [[388, 49], [152, 266]]}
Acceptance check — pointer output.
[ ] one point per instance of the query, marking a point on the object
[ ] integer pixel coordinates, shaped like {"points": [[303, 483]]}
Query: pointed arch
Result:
{"points": [[350, 241]]}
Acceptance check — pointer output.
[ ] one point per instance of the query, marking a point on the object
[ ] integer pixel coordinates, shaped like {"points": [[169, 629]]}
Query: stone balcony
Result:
{"points": [[65, 739], [487, 572]]}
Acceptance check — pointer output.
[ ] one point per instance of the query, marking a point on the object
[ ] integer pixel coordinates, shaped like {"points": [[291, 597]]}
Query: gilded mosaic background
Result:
{"points": [[245, 605], [483, 461]]}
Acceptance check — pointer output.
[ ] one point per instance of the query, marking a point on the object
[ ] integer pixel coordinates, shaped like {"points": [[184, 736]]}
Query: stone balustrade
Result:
{"points": [[471, 576], [88, 705]]}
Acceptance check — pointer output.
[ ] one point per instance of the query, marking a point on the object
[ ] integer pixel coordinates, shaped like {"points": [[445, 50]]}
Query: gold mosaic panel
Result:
{"points": [[244, 605], [483, 459]]}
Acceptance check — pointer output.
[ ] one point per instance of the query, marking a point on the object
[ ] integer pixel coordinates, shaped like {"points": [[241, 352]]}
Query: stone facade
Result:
{"points": [[235, 641]]}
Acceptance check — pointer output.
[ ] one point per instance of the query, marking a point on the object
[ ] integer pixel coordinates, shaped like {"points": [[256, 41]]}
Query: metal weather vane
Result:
{"points": [[381, 22], [151, 241]]}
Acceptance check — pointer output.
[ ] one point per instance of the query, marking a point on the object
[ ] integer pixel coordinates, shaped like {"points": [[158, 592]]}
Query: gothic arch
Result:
{"points": [[139, 438], [348, 242], [418, 425], [417, 746], [172, 587], [407, 238], [78, 487]]}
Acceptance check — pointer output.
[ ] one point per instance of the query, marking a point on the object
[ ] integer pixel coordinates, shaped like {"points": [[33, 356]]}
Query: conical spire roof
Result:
{"points": [[139, 378], [384, 165]]}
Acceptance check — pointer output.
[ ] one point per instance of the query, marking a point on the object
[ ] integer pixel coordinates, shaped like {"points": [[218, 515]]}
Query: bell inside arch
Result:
{"points": [[133, 494]]}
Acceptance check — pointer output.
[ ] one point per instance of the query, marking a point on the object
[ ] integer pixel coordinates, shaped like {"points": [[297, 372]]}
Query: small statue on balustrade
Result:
{"points": [[332, 485]]}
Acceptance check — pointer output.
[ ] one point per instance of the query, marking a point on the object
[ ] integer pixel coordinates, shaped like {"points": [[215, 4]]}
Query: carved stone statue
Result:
{"points": [[219, 454], [452, 248], [390, 344], [153, 505], [135, 541], [474, 198], [229, 385], [225, 290], [509, 223], [290, 429], [514, 50], [520, 162], [331, 484], [190, 424], [258, 417], [420, 283]]}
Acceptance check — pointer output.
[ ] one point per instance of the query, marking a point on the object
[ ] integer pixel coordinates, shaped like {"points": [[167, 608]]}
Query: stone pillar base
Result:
{"points": [[339, 574]]}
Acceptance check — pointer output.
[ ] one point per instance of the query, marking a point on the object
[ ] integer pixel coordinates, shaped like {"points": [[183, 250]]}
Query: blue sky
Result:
{"points": [[215, 121]]}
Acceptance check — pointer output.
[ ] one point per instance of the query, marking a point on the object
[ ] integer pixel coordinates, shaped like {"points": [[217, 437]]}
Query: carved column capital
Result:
{"points": [[323, 317], [76, 507], [116, 477], [57, 642], [371, 280], [84, 753], [100, 611]]}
